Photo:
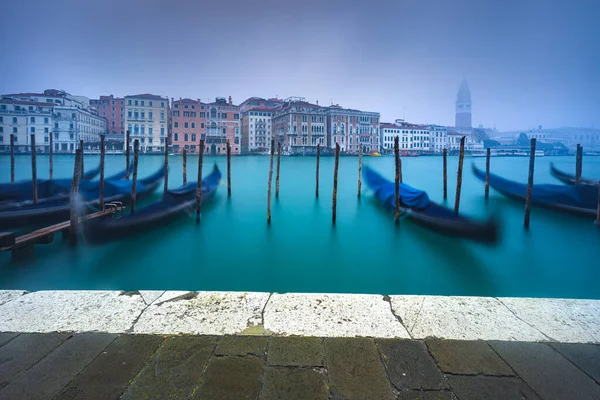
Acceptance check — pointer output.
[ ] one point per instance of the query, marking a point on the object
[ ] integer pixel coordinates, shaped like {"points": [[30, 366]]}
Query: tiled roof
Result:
{"points": [[146, 96]]}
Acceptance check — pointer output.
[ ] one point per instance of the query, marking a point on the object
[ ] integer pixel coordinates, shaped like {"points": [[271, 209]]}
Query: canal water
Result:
{"points": [[234, 249]]}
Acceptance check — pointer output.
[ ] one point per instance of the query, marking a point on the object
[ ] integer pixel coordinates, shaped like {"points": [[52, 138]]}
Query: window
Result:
{"points": [[186, 113], [193, 125], [202, 125], [142, 115], [128, 102], [176, 135], [176, 124], [129, 114], [142, 102], [162, 131], [149, 131], [45, 120], [176, 113], [14, 120], [162, 103], [46, 130], [32, 129], [213, 112], [185, 124], [224, 131], [143, 129], [15, 131], [236, 116], [149, 103], [32, 120], [185, 137], [304, 118], [136, 129], [150, 140], [224, 115], [202, 115], [185, 106], [193, 137], [162, 115]]}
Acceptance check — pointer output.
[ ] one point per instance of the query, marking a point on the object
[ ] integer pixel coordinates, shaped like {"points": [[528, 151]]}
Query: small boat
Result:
{"points": [[570, 179], [578, 200], [174, 204], [58, 209], [374, 154], [417, 207], [408, 154]]}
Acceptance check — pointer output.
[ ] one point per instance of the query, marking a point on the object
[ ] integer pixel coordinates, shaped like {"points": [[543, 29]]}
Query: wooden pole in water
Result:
{"points": [[102, 154], [34, 170], [82, 153], [74, 223], [166, 178], [228, 169], [185, 166], [270, 180], [487, 173], [359, 167], [461, 158], [199, 187], [445, 167], [598, 209], [50, 160], [335, 182], [136, 149], [318, 156], [578, 165], [397, 181], [12, 158], [127, 138], [277, 175], [529, 183]]}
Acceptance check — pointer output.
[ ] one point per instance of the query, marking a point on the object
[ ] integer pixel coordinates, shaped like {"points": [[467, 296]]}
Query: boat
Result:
{"points": [[174, 204], [570, 179], [408, 154], [58, 209], [417, 207], [577, 200], [374, 154]]}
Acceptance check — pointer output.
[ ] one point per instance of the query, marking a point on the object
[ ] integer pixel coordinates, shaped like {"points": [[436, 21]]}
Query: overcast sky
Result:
{"points": [[526, 62]]}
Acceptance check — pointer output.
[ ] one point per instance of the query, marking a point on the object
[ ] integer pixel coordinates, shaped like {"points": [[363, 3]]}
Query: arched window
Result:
{"points": [[213, 112], [334, 128], [176, 137], [129, 128], [185, 137], [143, 130], [136, 129], [343, 130]]}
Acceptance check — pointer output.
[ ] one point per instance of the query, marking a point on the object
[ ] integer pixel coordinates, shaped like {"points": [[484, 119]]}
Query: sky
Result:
{"points": [[527, 63]]}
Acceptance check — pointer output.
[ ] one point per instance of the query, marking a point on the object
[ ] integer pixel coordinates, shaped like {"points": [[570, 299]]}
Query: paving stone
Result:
{"points": [[355, 369], [108, 375], [49, 376], [585, 356], [295, 351], [546, 371], [467, 358], [242, 346], [293, 384], [174, 371], [231, 378], [6, 337], [491, 388], [24, 351], [409, 365], [426, 395]]}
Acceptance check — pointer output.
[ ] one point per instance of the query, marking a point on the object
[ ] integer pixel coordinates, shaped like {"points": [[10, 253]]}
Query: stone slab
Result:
{"points": [[231, 378], [409, 365], [467, 358], [491, 388], [584, 356], [6, 337], [295, 351], [332, 315], [109, 374], [169, 295], [208, 313], [562, 320], [242, 346], [355, 370], [71, 311], [8, 295], [547, 372], [175, 370], [426, 395], [294, 384], [464, 318], [150, 296], [48, 377], [24, 351]]}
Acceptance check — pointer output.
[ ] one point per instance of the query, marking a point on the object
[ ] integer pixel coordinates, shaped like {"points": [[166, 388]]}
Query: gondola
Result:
{"points": [[577, 200], [417, 207], [570, 179], [58, 209], [174, 204]]}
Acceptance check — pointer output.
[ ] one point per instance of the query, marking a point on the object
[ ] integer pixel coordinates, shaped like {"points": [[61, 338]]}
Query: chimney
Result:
{"points": [[229, 100], [317, 102]]}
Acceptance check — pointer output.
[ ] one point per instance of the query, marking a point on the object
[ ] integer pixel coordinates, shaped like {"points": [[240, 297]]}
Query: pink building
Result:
{"points": [[113, 109], [188, 124], [222, 124]]}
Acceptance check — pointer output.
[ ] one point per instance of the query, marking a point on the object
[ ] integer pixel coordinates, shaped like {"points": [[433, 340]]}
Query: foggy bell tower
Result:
{"points": [[463, 106]]}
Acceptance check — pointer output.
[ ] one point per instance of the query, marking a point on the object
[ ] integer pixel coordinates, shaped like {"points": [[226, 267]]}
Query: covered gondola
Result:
{"points": [[417, 207], [569, 179], [578, 200], [174, 204]]}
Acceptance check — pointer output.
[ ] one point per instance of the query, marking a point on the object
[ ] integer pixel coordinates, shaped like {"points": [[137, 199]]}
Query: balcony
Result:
{"points": [[214, 132], [136, 119]]}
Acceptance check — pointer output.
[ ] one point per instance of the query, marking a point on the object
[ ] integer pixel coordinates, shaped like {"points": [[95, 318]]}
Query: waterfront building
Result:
{"points": [[113, 109], [188, 124], [300, 126], [222, 124], [21, 119], [353, 129], [256, 119], [438, 136], [471, 142], [412, 137], [147, 119], [463, 106]]}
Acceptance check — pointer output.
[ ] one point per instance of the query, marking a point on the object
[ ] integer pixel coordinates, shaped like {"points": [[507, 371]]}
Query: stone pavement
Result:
{"points": [[126, 366]]}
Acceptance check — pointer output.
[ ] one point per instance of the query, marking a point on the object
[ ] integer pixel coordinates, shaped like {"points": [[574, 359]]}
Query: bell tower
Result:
{"points": [[463, 106]]}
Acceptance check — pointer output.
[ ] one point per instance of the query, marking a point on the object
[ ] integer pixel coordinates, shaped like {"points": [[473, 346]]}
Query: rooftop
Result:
{"points": [[27, 103], [146, 96]]}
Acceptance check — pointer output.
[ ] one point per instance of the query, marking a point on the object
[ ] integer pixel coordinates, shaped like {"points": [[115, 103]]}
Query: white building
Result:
{"points": [[438, 136], [256, 129], [147, 119], [22, 119], [411, 137]]}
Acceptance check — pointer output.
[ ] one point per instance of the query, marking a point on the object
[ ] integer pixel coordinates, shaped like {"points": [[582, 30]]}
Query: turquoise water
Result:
{"points": [[233, 249]]}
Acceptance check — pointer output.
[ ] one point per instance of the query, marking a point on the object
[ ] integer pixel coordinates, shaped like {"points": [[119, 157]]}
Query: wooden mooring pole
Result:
{"points": [[359, 167], [127, 137], [529, 183], [335, 183], [578, 164], [397, 181], [34, 170], [184, 167], [199, 187], [228, 169], [102, 154], [50, 159], [166, 178], [445, 167], [12, 158], [82, 153], [270, 180], [461, 158], [598, 208], [277, 175], [317, 180], [136, 149], [487, 173], [74, 220]]}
